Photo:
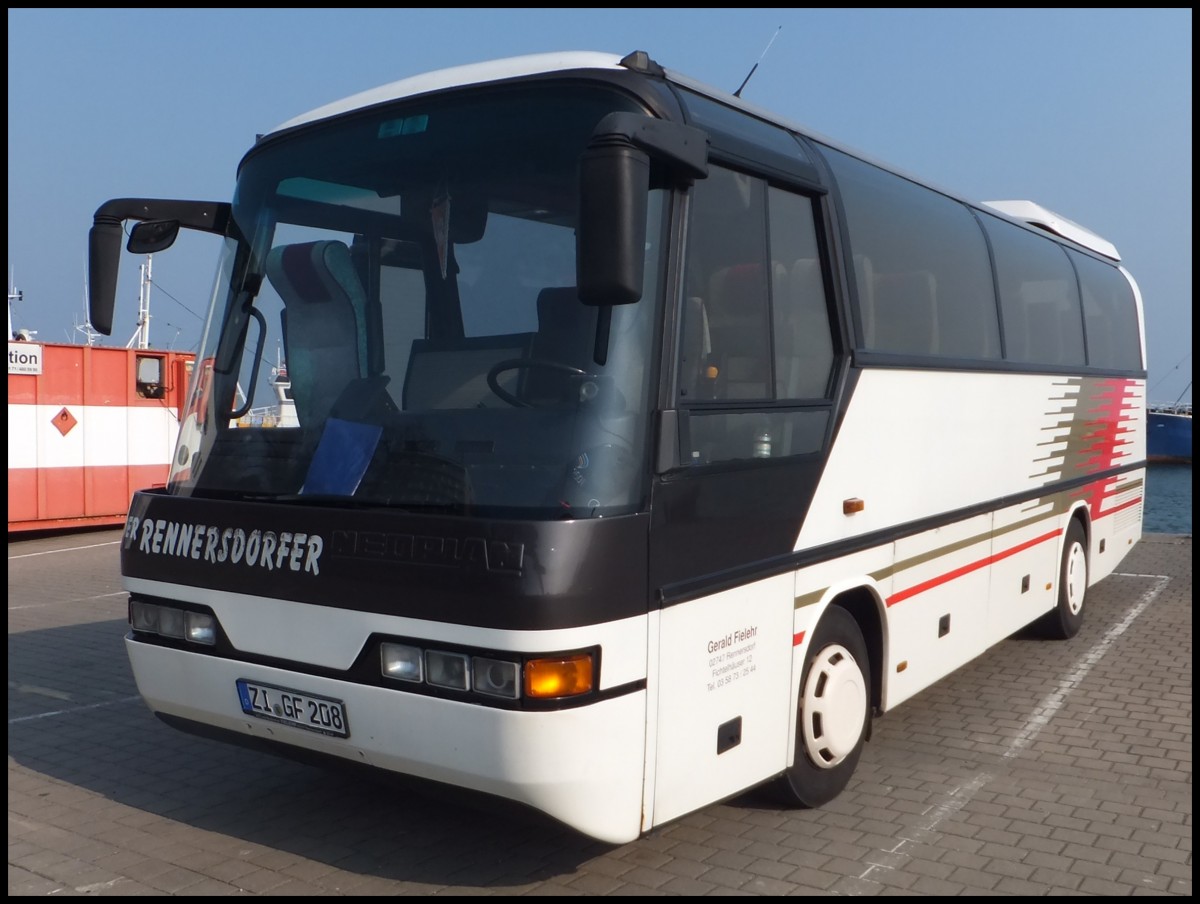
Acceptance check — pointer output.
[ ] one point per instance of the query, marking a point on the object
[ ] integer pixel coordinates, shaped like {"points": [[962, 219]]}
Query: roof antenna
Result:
{"points": [[738, 92]]}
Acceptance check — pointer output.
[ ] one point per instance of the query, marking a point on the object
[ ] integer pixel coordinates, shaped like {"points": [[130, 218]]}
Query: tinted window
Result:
{"points": [[921, 266], [747, 139], [1039, 297], [1110, 317], [803, 342], [755, 328], [727, 349]]}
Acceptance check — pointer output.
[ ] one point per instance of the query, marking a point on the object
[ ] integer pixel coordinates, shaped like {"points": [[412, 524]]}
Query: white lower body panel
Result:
{"points": [[582, 766]]}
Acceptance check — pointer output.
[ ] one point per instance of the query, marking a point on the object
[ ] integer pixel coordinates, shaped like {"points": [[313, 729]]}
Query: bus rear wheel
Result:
{"points": [[1066, 618], [832, 715]]}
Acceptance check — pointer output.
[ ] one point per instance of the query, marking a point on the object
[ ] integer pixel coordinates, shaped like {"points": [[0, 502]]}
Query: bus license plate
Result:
{"points": [[281, 704]]}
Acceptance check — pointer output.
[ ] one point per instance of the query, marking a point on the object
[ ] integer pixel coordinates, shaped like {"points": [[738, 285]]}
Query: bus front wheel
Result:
{"points": [[833, 712], [1066, 618]]}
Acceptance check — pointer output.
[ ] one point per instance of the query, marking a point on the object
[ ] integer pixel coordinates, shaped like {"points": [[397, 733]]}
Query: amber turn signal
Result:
{"points": [[566, 677]]}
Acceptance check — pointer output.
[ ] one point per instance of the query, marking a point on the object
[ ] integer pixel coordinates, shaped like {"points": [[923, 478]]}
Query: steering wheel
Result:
{"points": [[526, 364]]}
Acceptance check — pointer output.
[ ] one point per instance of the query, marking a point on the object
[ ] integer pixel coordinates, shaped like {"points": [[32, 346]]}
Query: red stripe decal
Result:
{"points": [[967, 569], [1095, 495]]}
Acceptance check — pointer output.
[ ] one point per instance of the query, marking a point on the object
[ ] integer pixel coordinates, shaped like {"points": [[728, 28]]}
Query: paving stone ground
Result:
{"points": [[1040, 768]]}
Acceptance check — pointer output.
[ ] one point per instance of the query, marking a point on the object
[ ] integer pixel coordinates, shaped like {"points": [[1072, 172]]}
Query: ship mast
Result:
{"points": [[90, 334], [14, 294], [141, 335]]}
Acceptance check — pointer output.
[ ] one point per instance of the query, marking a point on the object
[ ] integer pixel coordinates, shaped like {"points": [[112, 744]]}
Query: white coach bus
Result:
{"points": [[647, 447]]}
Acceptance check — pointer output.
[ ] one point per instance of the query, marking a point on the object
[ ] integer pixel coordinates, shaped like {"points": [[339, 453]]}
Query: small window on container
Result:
{"points": [[150, 380]]}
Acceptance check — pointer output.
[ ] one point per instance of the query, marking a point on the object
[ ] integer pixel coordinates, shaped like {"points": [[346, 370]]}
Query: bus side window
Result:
{"points": [[755, 326], [1100, 349], [906, 320], [800, 313], [1110, 312], [1043, 333], [695, 346], [738, 328], [803, 345], [931, 292], [1039, 297], [864, 281]]}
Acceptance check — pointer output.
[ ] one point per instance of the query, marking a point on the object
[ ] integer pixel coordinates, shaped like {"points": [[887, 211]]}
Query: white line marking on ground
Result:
{"points": [[73, 710], [1053, 701], [48, 552], [1050, 704], [80, 599]]}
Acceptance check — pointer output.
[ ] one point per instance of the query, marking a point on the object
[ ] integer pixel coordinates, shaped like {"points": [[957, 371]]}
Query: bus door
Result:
{"points": [[754, 371]]}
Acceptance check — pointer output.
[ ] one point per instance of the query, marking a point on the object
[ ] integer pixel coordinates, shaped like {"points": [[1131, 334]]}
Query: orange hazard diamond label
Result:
{"points": [[64, 422]]}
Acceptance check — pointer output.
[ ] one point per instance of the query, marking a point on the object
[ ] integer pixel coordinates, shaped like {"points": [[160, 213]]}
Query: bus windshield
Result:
{"points": [[395, 321]]}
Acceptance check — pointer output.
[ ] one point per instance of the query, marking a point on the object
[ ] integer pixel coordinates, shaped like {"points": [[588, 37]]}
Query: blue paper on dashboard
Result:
{"points": [[343, 454]]}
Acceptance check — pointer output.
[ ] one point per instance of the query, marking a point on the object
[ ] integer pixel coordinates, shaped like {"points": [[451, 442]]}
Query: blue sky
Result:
{"points": [[1088, 112]]}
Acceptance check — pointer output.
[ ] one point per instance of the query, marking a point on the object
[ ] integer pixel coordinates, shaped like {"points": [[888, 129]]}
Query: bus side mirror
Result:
{"points": [[613, 198], [104, 260], [611, 237], [159, 222]]}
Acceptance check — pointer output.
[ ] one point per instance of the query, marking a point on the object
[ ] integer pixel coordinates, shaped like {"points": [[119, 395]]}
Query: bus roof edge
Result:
{"points": [[1036, 215]]}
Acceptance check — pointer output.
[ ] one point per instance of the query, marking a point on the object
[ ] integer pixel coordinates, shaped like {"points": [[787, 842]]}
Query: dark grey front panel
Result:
{"points": [[472, 571]]}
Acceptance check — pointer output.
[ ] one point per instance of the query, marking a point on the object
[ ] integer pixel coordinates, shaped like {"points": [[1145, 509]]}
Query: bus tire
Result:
{"points": [[833, 713], [1066, 618]]}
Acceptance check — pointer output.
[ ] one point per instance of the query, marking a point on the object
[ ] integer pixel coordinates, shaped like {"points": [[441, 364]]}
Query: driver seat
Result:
{"points": [[566, 334]]}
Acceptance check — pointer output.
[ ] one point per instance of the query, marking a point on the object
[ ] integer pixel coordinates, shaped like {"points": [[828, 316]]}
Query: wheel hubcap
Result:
{"points": [[834, 707], [1075, 578]]}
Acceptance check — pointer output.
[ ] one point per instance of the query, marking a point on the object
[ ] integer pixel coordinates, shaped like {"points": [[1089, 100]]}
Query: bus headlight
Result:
{"points": [[495, 677], [401, 661], [533, 678], [177, 624], [170, 622], [451, 670], [143, 617], [448, 670], [198, 627]]}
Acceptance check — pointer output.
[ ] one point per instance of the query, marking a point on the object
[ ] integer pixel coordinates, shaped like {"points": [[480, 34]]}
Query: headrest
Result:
{"points": [[558, 306], [313, 272]]}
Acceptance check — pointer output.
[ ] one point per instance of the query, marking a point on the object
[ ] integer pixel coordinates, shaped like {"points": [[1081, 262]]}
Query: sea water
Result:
{"points": [[1168, 508]]}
